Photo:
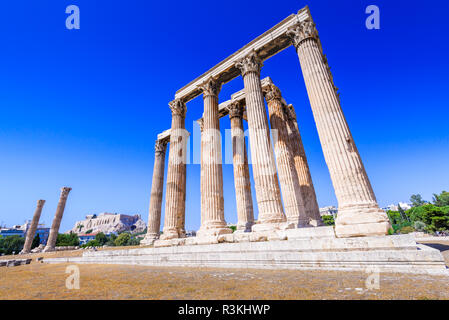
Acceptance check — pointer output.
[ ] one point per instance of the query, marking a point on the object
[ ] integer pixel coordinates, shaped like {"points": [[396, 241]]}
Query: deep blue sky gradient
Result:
{"points": [[82, 108]]}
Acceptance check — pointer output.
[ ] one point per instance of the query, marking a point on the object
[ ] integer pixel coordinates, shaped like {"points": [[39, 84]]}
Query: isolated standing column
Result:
{"points": [[358, 212], [213, 222], [288, 179], [268, 194], [157, 190], [244, 200], [51, 242], [32, 229], [175, 199]]}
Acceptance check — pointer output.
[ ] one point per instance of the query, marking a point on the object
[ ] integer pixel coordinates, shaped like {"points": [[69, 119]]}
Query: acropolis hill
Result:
{"points": [[110, 222]]}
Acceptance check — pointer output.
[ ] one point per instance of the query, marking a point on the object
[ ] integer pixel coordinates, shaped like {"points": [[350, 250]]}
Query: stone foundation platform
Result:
{"points": [[307, 248]]}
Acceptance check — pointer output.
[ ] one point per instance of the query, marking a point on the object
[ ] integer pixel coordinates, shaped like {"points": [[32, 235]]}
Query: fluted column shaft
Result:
{"points": [[242, 183], [175, 198], [359, 213], [157, 190], [302, 168], [288, 178], [32, 229], [213, 221], [51, 242], [268, 194]]}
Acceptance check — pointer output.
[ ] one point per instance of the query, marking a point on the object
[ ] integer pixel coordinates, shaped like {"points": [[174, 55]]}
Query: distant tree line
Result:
{"points": [[431, 217]]}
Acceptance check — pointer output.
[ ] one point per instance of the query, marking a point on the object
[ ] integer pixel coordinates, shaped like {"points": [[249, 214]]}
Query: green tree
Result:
{"points": [[36, 242], [101, 238], [328, 220], [122, 239], [436, 218], [442, 199], [417, 200], [111, 240], [11, 244], [64, 240]]}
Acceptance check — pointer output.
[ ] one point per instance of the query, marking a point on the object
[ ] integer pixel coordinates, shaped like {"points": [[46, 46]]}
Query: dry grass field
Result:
{"points": [[47, 281]]}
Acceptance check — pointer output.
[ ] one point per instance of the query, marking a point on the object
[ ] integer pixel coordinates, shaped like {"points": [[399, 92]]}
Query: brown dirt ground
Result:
{"points": [[47, 281]]}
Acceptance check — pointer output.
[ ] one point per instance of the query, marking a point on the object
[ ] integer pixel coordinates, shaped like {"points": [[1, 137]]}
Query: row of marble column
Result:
{"points": [[54, 230], [359, 213]]}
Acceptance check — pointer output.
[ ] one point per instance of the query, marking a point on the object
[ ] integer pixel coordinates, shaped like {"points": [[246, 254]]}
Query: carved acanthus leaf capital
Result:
{"points": [[178, 107], [65, 192], [272, 92], [210, 87], [235, 110], [160, 147], [302, 31], [250, 63]]}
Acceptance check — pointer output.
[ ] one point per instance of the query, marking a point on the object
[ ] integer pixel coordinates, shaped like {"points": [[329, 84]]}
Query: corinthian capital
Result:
{"points": [[250, 63], [272, 92], [160, 147], [210, 87], [65, 192], [302, 31], [235, 110], [178, 107]]}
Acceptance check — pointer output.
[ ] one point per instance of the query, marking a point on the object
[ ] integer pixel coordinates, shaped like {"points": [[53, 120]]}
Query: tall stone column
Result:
{"points": [[213, 222], [51, 242], [203, 209], [32, 229], [175, 198], [271, 214], [157, 190], [244, 200], [302, 168], [288, 179], [359, 213]]}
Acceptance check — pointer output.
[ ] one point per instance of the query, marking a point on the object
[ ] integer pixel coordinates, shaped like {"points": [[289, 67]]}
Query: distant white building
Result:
{"points": [[329, 211], [395, 207]]}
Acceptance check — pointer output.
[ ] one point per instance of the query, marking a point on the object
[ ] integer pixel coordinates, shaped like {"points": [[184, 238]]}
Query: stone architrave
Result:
{"points": [[242, 183], [268, 194], [51, 242], [175, 199], [358, 213], [302, 168], [213, 222], [288, 178], [33, 226], [157, 190]]}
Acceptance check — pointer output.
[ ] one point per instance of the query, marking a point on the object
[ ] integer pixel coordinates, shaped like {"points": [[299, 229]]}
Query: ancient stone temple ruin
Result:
{"points": [[109, 223], [288, 232], [359, 214]]}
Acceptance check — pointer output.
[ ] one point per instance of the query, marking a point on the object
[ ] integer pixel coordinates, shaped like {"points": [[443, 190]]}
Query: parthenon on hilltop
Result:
{"points": [[359, 213], [288, 232]]}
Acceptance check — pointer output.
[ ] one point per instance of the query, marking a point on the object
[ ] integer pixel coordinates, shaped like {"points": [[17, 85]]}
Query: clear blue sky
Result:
{"points": [[82, 108]]}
